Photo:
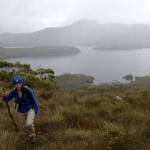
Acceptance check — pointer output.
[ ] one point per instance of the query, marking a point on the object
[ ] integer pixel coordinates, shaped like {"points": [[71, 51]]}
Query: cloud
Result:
{"points": [[110, 11], [32, 15]]}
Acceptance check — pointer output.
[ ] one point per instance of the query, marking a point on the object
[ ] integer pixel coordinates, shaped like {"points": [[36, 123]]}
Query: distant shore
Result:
{"points": [[120, 47], [17, 52]]}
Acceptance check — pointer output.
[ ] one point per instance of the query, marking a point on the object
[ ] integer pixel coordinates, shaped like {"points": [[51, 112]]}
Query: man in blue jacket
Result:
{"points": [[27, 106]]}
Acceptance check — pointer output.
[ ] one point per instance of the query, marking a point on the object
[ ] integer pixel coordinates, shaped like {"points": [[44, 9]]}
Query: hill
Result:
{"points": [[85, 33], [75, 121], [91, 117], [38, 51], [73, 81]]}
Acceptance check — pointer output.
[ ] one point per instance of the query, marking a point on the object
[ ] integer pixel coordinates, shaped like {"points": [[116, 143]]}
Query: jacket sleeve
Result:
{"points": [[10, 95], [34, 102]]}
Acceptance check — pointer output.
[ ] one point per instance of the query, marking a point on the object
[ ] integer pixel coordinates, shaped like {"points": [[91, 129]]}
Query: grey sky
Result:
{"points": [[32, 15]]}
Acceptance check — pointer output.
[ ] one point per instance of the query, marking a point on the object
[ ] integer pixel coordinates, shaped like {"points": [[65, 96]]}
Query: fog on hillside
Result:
{"points": [[84, 33]]}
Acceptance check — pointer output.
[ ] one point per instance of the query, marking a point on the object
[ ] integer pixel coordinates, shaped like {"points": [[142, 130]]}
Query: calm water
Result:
{"points": [[104, 66]]}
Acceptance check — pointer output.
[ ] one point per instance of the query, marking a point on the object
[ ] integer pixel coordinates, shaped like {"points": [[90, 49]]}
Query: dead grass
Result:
{"points": [[84, 122]]}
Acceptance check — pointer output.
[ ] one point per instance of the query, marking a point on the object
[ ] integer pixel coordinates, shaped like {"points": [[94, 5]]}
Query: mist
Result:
{"points": [[31, 15]]}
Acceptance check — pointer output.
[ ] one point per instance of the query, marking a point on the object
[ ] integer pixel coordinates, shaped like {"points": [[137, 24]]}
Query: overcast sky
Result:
{"points": [[32, 15]]}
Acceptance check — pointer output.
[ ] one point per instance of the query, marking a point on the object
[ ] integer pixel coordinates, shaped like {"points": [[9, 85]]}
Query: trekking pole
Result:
{"points": [[10, 112]]}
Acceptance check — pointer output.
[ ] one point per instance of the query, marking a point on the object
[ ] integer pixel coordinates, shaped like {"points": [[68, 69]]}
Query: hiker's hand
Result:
{"points": [[4, 94]]}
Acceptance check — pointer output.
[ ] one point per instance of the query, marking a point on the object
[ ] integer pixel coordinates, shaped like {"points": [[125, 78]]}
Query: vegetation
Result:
{"points": [[36, 79], [77, 121], [90, 118], [69, 81], [38, 51], [128, 77], [140, 84]]}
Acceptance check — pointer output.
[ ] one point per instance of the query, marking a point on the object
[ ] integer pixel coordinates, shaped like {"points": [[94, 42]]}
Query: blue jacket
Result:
{"points": [[26, 102]]}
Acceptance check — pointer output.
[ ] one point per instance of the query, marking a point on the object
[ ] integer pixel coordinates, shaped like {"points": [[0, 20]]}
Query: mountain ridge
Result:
{"points": [[82, 33]]}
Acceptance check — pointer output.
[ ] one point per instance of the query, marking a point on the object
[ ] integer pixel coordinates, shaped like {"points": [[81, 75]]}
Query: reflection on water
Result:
{"points": [[104, 66]]}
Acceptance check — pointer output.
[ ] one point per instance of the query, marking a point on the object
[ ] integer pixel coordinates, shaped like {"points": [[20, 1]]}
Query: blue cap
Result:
{"points": [[17, 79]]}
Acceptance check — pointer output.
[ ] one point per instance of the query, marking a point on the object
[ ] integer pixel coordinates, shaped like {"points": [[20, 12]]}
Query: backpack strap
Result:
{"points": [[29, 94], [24, 89]]}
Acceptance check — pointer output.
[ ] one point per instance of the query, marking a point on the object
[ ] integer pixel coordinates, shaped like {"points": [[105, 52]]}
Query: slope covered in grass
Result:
{"points": [[89, 118], [78, 121]]}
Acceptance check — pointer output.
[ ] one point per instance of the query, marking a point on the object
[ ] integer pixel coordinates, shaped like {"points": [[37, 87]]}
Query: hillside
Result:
{"points": [[90, 117], [83, 121], [85, 33]]}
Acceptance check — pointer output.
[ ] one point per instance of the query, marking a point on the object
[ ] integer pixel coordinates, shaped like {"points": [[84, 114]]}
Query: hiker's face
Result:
{"points": [[18, 86]]}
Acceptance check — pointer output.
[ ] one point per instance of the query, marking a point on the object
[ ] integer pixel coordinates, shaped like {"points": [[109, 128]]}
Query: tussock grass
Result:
{"points": [[9, 140], [74, 121]]}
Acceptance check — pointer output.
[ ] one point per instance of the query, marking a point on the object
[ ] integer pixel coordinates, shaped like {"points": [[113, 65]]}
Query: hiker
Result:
{"points": [[27, 106]]}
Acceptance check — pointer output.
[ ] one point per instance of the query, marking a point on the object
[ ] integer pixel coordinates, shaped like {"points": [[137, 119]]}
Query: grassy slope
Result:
{"points": [[83, 121]]}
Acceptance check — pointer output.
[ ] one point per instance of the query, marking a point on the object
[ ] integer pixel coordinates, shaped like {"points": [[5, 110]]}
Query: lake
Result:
{"points": [[104, 66]]}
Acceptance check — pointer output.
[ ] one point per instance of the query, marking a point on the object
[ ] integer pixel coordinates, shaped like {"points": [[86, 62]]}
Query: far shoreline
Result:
{"points": [[37, 51]]}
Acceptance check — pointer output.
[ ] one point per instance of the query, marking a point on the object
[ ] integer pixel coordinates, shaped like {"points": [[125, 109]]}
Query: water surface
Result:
{"points": [[104, 66]]}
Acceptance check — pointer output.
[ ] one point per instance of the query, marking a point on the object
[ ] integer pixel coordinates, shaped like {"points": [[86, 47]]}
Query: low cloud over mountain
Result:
{"points": [[85, 33]]}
